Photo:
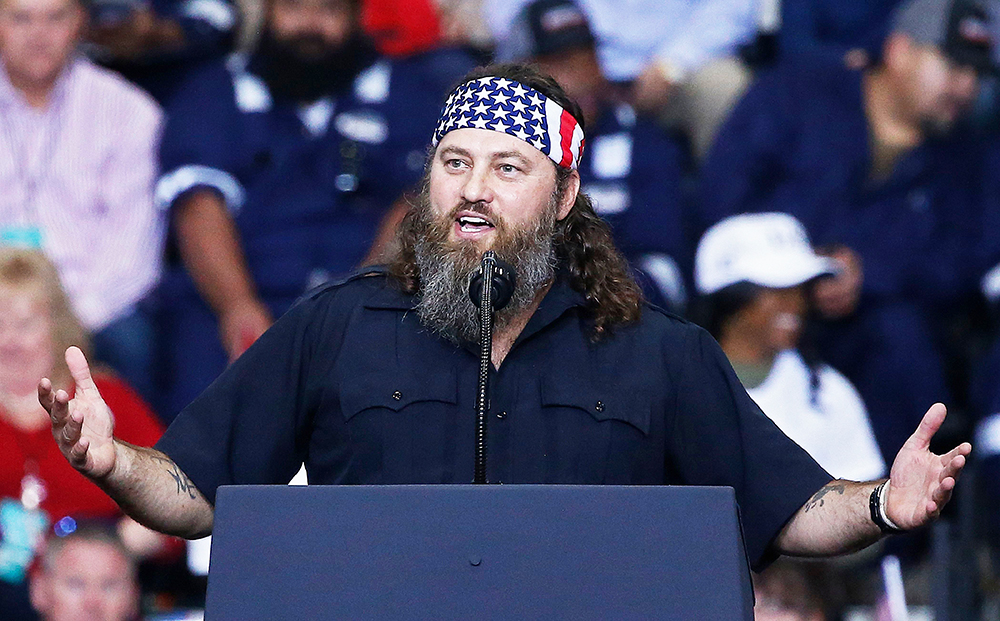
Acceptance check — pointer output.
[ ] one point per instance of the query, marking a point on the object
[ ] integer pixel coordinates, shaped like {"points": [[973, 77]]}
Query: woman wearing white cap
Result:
{"points": [[754, 271]]}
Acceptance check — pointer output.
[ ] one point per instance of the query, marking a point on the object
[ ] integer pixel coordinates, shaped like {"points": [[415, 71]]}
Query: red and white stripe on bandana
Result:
{"points": [[509, 107]]}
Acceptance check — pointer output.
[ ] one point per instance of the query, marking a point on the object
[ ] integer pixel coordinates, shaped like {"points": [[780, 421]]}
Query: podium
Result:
{"points": [[478, 551]]}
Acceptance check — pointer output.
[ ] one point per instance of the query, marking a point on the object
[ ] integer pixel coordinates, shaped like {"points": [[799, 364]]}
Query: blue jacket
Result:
{"points": [[798, 142]]}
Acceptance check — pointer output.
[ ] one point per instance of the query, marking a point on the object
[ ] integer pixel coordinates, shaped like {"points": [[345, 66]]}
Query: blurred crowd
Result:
{"points": [[813, 181]]}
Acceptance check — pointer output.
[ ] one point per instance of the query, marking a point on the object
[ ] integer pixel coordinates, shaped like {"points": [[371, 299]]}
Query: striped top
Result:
{"points": [[77, 176]]}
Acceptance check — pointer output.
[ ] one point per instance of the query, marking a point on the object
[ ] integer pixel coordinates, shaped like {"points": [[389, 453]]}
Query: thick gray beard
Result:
{"points": [[446, 270]]}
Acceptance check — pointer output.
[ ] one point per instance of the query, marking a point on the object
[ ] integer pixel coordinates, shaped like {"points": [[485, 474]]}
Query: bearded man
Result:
{"points": [[278, 168], [371, 381]]}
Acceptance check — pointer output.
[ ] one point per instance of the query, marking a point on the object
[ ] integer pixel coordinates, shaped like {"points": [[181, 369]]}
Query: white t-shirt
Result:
{"points": [[835, 429]]}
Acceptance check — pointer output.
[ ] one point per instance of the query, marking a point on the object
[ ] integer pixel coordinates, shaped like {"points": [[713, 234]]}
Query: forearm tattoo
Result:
{"points": [[184, 484], [817, 498]]}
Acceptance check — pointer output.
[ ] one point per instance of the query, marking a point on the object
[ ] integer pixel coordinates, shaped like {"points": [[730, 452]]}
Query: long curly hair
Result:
{"points": [[584, 247]]}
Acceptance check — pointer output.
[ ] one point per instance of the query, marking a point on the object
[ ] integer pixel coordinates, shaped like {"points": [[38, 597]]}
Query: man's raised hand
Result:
{"points": [[82, 426], [920, 482]]}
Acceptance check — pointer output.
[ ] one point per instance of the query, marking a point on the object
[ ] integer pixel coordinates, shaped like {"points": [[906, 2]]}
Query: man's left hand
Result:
{"points": [[920, 482]]}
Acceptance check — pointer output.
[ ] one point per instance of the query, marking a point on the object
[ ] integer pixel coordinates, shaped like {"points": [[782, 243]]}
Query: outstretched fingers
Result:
{"points": [[72, 427], [55, 402], [962, 450]]}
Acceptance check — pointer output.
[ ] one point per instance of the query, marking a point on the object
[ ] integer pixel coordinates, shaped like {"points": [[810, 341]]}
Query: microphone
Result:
{"points": [[490, 289], [502, 283]]}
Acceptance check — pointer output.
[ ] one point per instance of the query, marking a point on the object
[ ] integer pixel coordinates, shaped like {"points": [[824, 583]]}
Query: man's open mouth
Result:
{"points": [[473, 224]]}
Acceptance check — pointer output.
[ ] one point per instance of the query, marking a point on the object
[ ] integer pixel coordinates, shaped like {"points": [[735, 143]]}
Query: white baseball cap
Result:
{"points": [[766, 249]]}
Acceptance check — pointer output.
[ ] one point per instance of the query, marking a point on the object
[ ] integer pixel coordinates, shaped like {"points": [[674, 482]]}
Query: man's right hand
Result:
{"points": [[83, 426]]}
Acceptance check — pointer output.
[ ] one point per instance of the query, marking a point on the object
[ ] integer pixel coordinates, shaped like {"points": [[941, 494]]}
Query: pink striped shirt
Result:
{"points": [[81, 171]]}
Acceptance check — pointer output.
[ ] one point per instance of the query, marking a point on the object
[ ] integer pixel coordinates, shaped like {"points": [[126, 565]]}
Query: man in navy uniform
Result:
{"points": [[278, 168], [872, 163], [370, 381]]}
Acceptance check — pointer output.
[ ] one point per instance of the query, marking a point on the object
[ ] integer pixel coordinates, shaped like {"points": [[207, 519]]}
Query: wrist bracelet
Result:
{"points": [[876, 505]]}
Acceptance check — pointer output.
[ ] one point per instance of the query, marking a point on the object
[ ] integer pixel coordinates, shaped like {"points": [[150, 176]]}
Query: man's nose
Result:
{"points": [[477, 187]]}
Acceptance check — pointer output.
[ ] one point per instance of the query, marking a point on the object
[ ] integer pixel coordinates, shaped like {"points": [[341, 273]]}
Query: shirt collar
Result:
{"points": [[560, 298], [10, 95]]}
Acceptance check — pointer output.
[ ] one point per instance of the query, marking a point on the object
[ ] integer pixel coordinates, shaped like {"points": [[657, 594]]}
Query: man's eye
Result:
{"points": [[508, 168], [453, 163]]}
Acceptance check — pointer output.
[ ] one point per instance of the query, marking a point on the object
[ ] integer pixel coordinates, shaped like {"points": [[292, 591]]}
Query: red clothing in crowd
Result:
{"points": [[67, 491], [401, 27]]}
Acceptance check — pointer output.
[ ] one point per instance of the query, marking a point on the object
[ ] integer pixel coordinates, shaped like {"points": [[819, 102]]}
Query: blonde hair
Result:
{"points": [[29, 272]]}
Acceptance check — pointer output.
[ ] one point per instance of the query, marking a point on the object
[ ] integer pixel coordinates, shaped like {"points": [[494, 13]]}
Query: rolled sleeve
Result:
{"points": [[184, 179]]}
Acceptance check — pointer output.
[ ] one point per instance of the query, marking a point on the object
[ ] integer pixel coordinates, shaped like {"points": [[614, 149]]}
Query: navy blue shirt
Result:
{"points": [[798, 142], [632, 169], [306, 185], [350, 383]]}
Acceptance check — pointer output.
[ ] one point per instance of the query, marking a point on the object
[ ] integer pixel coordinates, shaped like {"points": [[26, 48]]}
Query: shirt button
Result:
{"points": [[501, 415], [397, 395], [600, 406]]}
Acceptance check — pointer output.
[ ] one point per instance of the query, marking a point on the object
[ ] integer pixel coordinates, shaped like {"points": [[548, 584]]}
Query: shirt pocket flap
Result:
{"points": [[630, 404], [384, 390]]}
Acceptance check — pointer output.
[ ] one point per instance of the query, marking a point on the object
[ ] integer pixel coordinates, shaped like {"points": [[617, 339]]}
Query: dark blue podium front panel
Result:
{"points": [[477, 552]]}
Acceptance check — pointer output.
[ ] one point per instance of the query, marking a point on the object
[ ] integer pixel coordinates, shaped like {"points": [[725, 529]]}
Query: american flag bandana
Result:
{"points": [[510, 107]]}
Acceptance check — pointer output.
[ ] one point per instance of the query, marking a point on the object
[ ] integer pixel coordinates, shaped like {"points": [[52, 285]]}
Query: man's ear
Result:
{"points": [[568, 197]]}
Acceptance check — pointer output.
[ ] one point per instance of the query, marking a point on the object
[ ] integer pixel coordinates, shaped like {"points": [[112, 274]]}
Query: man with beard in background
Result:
{"points": [[371, 381], [278, 167]]}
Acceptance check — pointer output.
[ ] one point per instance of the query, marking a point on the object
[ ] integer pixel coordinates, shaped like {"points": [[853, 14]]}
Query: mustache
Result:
{"points": [[480, 207]]}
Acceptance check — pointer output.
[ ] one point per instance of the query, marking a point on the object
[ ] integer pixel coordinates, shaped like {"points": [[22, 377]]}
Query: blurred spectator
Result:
{"points": [[463, 24], [789, 590], [86, 574], [77, 166], [676, 57], [755, 271], [869, 162], [38, 487], [155, 43], [631, 168], [280, 166]]}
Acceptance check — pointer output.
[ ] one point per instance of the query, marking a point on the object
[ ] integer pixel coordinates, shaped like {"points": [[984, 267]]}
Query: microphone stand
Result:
{"points": [[488, 299]]}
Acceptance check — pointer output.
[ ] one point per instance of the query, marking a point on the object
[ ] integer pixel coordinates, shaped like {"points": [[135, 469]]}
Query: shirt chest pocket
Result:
{"points": [[599, 431], [402, 426]]}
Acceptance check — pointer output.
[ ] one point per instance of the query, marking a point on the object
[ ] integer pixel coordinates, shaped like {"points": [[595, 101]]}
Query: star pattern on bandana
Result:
{"points": [[498, 104]]}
